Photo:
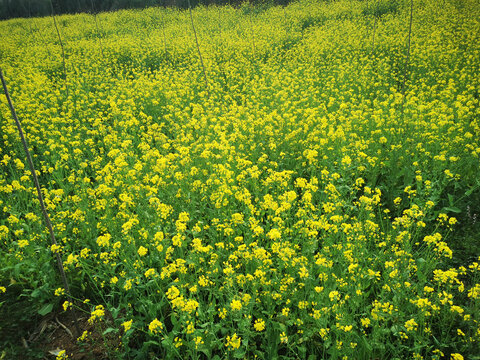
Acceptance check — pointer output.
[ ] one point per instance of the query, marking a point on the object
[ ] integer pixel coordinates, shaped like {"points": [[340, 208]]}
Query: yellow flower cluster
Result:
{"points": [[299, 198]]}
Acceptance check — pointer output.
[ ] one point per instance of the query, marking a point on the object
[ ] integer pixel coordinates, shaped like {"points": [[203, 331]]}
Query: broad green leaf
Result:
{"points": [[46, 309]]}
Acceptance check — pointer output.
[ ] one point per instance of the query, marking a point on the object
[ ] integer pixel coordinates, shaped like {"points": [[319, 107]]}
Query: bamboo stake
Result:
{"points": [[164, 36], [96, 25], [253, 34], [198, 47], [373, 38], [405, 70], [30, 22], [61, 45], [165, 47], [40, 199]]}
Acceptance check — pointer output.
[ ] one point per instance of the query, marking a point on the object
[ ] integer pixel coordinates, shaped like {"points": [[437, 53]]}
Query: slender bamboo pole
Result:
{"points": [[164, 37], [30, 22], [96, 25], [405, 70], [253, 34], [61, 45], [40, 199], [198, 47], [165, 47], [219, 8]]}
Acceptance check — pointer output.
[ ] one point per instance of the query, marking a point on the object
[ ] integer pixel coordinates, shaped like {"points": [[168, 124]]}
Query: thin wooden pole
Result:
{"points": [[253, 34], [61, 45], [40, 199], [405, 70], [30, 22], [198, 47], [164, 36], [96, 25]]}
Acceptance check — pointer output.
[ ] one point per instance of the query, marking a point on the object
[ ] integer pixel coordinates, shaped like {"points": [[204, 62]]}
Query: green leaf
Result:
{"points": [[46, 309], [453, 209], [450, 199], [115, 312], [239, 354], [35, 293], [151, 342], [109, 330], [470, 191], [166, 342], [420, 261], [206, 352]]}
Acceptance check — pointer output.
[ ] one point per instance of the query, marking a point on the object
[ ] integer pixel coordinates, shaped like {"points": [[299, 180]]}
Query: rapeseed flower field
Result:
{"points": [[313, 196]]}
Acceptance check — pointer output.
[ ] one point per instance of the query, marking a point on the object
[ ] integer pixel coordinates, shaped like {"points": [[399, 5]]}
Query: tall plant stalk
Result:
{"points": [[40, 199]]}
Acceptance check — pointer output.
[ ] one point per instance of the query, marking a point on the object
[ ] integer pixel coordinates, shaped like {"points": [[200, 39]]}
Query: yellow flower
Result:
{"points": [[22, 243], [55, 248], [236, 305], [59, 292], [348, 328], [411, 325], [323, 333], [172, 292], [198, 341], [84, 253], [347, 160], [274, 234], [127, 325], [222, 313], [84, 336], [259, 325], [128, 284], [66, 305], [365, 322], [178, 342], [149, 272], [142, 251], [104, 240], [159, 236], [98, 313], [155, 326], [303, 272], [334, 295], [233, 342], [62, 355], [474, 292], [310, 155]]}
